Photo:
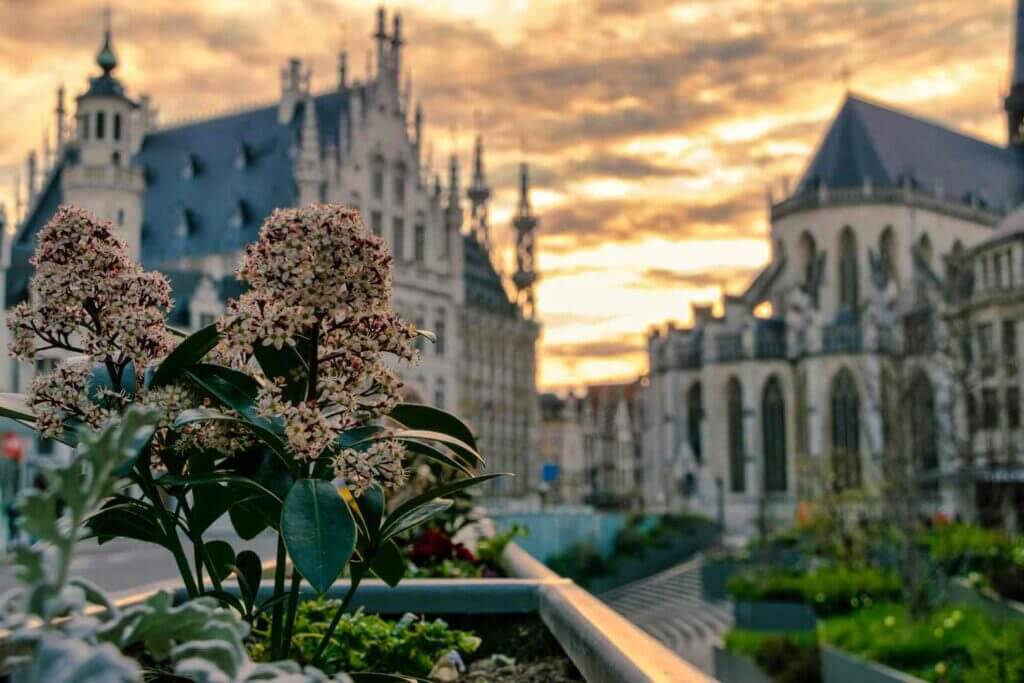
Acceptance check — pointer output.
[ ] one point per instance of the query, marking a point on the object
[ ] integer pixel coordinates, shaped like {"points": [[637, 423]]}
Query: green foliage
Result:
{"points": [[580, 562], [318, 531], [787, 657], [950, 644], [963, 548], [491, 549], [364, 642], [829, 590]]}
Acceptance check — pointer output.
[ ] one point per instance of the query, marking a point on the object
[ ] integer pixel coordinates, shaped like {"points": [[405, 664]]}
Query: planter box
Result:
{"points": [[603, 645], [764, 615], [840, 667], [715, 575], [731, 667], [988, 602]]}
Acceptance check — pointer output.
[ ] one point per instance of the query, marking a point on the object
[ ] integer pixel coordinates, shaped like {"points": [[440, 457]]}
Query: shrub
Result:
{"points": [[787, 657], [366, 642], [962, 548], [829, 591], [580, 562]]}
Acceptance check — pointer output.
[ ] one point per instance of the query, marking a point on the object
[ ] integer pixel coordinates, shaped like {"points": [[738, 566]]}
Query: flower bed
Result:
{"points": [[780, 656]]}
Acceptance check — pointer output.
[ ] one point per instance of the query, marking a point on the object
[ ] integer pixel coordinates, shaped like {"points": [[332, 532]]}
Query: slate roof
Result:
{"points": [[483, 287], [868, 141]]}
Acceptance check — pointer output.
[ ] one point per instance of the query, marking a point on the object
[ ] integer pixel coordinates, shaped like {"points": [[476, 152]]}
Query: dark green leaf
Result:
{"points": [[249, 569], [371, 504], [247, 517], [417, 416], [437, 455], [222, 556], [288, 364], [318, 531], [230, 387], [461, 448], [101, 381], [260, 427], [389, 563], [409, 506], [134, 520], [190, 351], [419, 515], [214, 479]]}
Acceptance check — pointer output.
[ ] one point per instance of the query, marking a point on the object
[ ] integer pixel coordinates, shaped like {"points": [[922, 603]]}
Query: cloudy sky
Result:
{"points": [[654, 127]]}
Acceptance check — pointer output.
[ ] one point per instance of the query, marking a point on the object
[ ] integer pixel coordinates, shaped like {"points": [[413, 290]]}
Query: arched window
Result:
{"points": [[846, 471], [117, 126], [737, 447], [773, 423], [887, 252], [808, 249], [922, 426], [849, 277], [101, 125], [694, 417]]}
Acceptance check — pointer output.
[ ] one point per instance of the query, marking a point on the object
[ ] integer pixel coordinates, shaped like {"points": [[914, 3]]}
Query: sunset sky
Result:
{"points": [[653, 128]]}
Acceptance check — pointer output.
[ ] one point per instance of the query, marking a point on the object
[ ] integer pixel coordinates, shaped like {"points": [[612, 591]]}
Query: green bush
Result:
{"points": [[366, 642], [579, 562], [787, 657], [963, 548], [953, 644], [830, 591]]}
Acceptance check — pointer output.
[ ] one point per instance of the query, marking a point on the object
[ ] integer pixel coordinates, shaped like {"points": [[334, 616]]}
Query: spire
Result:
{"points": [[308, 171], [525, 224], [61, 115], [418, 126], [479, 193], [453, 211], [342, 70], [381, 36], [106, 59], [396, 45]]}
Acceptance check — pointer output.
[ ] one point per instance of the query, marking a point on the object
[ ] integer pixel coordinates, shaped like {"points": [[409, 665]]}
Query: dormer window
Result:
{"points": [[190, 169], [240, 215], [242, 156], [187, 223]]}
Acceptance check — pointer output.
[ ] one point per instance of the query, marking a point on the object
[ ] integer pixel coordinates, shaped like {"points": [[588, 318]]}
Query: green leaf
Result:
{"points": [[437, 455], [389, 563], [222, 557], [318, 531], [372, 503], [101, 380], [420, 515], [16, 406], [249, 570], [214, 479], [417, 416], [120, 519], [288, 364], [232, 388], [247, 518], [260, 427], [411, 505], [189, 352], [469, 455]]}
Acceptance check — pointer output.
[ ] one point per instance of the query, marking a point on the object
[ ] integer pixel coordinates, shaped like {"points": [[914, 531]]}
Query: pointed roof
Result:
{"points": [[871, 143]]}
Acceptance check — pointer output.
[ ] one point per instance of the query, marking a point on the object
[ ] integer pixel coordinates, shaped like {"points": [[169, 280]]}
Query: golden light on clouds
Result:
{"points": [[653, 127]]}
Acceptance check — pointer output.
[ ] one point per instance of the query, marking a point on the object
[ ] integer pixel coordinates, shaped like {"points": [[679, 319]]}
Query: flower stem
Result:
{"points": [[278, 613], [173, 542], [293, 607], [357, 576]]}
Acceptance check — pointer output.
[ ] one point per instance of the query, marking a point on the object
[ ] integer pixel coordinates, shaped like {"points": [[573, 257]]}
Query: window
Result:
{"points": [[420, 243], [439, 393], [400, 188], [887, 251], [846, 469], [1009, 339], [439, 332], [989, 408], [377, 223], [694, 416], [398, 250], [737, 447], [377, 183], [1013, 407], [83, 126], [997, 266], [984, 272], [849, 278], [808, 251], [120, 216], [117, 126], [922, 426], [972, 414], [985, 341], [773, 422], [101, 125]]}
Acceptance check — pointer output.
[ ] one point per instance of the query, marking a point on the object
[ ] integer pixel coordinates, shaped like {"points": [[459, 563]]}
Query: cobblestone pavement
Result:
{"points": [[670, 608]]}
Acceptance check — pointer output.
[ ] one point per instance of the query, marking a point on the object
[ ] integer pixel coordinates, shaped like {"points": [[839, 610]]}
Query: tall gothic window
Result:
{"points": [[773, 422], [922, 427], [117, 126], [848, 271], [101, 125], [737, 447], [398, 249], [694, 417], [887, 254], [846, 470], [808, 250], [420, 243]]}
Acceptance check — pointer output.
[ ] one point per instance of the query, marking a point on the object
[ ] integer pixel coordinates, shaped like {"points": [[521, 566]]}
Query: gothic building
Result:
{"points": [[893, 289], [187, 198]]}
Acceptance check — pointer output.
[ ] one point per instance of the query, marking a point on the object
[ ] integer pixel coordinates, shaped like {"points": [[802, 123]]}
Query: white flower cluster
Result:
{"points": [[172, 399], [88, 297], [321, 284]]}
